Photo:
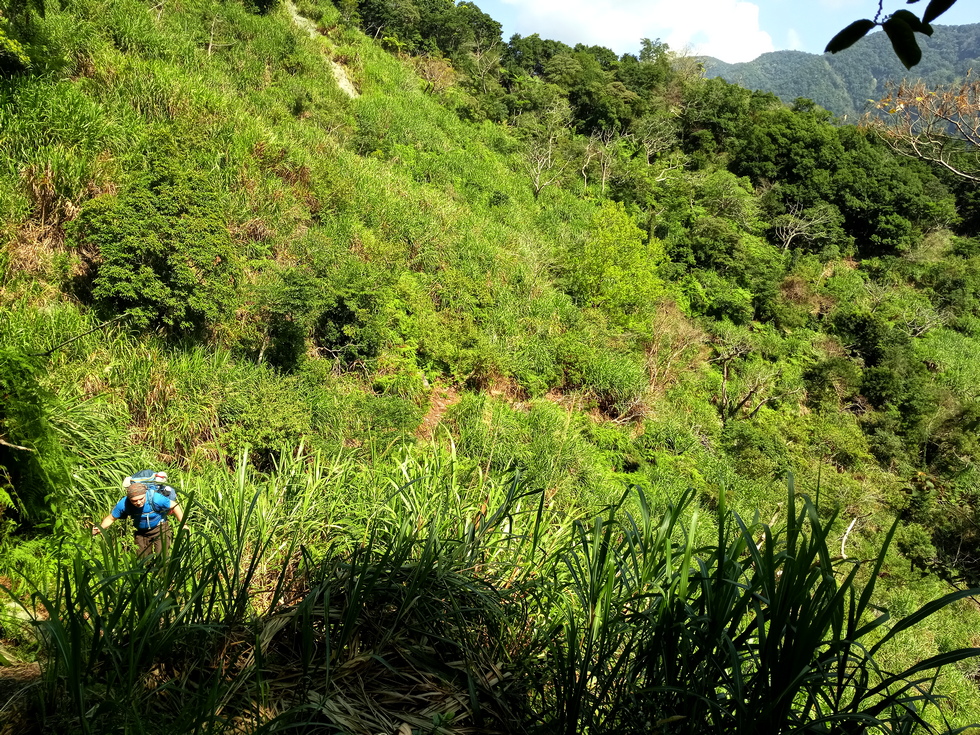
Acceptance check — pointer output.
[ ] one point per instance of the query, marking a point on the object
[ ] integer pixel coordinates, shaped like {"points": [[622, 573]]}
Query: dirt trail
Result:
{"points": [[339, 70], [442, 398]]}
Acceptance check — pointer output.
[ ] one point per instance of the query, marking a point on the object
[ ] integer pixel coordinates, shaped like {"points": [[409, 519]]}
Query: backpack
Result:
{"points": [[148, 478]]}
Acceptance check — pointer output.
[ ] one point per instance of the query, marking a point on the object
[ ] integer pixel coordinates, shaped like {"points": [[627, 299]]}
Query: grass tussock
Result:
{"points": [[459, 604]]}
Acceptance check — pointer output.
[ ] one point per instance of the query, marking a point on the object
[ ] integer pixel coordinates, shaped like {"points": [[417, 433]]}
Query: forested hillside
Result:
{"points": [[846, 83], [506, 386]]}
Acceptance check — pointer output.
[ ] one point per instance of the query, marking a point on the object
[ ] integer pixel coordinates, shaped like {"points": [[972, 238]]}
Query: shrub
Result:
{"points": [[758, 451], [13, 57], [162, 251], [618, 382], [831, 381], [543, 441], [614, 267], [713, 295], [263, 415]]}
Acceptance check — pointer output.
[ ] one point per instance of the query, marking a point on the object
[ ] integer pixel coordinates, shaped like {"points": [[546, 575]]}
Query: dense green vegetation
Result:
{"points": [[407, 309]]}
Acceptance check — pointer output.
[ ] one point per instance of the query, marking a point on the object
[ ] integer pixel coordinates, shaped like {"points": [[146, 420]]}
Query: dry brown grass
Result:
{"points": [[16, 682], [277, 162], [571, 402], [798, 292], [831, 347], [32, 249], [33, 246], [676, 344], [254, 230], [436, 73]]}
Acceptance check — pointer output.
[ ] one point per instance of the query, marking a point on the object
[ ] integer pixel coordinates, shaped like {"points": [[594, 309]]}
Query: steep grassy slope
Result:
{"points": [[365, 299]]}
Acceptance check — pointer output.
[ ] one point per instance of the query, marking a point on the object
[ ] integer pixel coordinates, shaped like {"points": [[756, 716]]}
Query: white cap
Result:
{"points": [[160, 476], [127, 481]]}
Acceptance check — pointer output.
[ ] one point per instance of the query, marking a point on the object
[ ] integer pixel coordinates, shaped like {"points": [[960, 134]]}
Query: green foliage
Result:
{"points": [[262, 7], [163, 250], [290, 305], [703, 635], [617, 381], [451, 566], [713, 295], [706, 290], [758, 451], [32, 458], [263, 414], [615, 268], [336, 306], [900, 27], [842, 168], [544, 443], [13, 57], [427, 26], [832, 382], [109, 619], [844, 82], [803, 628], [952, 355]]}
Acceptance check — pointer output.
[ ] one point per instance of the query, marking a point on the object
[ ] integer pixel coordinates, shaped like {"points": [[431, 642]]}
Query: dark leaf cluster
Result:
{"points": [[900, 27]]}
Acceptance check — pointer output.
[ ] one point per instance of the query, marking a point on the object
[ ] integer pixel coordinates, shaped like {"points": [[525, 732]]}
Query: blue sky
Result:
{"points": [[731, 30]]}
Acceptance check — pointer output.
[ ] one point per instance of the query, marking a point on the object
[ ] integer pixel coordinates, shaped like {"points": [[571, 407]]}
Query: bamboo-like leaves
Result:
{"points": [[761, 632]]}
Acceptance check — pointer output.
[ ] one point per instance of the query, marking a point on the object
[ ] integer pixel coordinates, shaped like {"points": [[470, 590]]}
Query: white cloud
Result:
{"points": [[793, 40], [726, 29]]}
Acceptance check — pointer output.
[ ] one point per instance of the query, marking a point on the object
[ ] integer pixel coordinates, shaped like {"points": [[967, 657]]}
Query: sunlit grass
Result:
{"points": [[458, 602]]}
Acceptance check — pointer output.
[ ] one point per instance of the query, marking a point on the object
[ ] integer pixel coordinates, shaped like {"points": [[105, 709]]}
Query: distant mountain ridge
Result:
{"points": [[845, 82]]}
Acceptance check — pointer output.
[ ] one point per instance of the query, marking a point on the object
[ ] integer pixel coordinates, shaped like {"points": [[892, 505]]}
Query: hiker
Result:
{"points": [[148, 510]]}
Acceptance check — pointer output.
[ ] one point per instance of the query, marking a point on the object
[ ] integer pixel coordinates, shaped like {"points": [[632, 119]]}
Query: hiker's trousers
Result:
{"points": [[154, 539]]}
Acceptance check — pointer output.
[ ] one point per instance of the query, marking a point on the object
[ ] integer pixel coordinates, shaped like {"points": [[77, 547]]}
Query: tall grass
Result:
{"points": [[202, 627], [763, 631], [459, 602]]}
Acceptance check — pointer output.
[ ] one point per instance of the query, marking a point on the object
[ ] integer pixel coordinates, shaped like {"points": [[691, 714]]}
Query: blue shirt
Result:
{"points": [[155, 509]]}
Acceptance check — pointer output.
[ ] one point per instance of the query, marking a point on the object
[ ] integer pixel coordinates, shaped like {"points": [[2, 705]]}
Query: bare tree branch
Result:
{"points": [[17, 446], [940, 125]]}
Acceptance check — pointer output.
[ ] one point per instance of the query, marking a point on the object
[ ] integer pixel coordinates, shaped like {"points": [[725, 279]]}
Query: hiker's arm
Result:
{"points": [[103, 525], [178, 513]]}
